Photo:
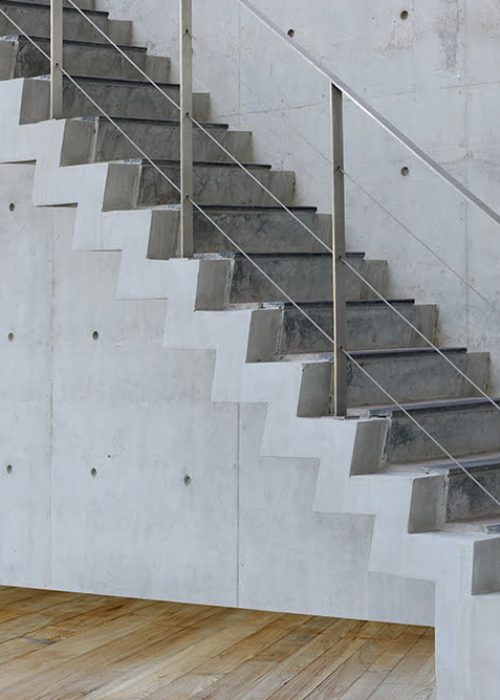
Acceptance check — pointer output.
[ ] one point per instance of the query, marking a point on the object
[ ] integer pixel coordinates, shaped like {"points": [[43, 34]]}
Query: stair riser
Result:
{"points": [[35, 21], [83, 4], [23, 60], [132, 101], [263, 232], [467, 501], [467, 432], [221, 185], [368, 328], [416, 378], [162, 142], [304, 279]]}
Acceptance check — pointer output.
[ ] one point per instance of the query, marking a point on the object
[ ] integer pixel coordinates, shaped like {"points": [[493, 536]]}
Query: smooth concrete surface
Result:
{"points": [[307, 493], [142, 417], [434, 74]]}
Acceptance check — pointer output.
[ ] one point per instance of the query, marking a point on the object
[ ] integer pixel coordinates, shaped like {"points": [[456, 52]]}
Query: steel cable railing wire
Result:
{"points": [[200, 126], [290, 212], [94, 103], [372, 113], [261, 184], [285, 295], [156, 167], [413, 235]]}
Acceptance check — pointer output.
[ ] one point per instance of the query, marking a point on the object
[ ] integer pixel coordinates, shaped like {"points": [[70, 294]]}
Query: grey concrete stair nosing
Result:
{"points": [[407, 351], [288, 256], [205, 164], [165, 122], [350, 302], [373, 354], [433, 406], [45, 6], [237, 208], [173, 163], [73, 42], [428, 466], [114, 81]]}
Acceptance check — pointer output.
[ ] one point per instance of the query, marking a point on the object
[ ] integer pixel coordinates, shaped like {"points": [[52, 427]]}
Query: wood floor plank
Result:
{"points": [[296, 679], [163, 670], [250, 649], [401, 679], [281, 674], [67, 620], [130, 653], [186, 687], [369, 681], [252, 645], [63, 646], [32, 666], [336, 685]]}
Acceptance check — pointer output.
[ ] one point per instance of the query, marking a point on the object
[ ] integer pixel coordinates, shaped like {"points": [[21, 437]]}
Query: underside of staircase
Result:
{"points": [[432, 522]]}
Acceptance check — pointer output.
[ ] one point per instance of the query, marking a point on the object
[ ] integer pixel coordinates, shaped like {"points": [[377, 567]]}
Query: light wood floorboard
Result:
{"points": [[65, 646]]}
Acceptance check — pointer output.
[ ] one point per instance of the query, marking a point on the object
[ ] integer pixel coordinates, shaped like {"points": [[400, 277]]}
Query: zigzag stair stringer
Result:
{"points": [[97, 188]]}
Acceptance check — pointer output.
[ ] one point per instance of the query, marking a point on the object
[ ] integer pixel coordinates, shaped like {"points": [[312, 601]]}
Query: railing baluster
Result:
{"points": [[339, 374], [186, 124], [56, 59]]}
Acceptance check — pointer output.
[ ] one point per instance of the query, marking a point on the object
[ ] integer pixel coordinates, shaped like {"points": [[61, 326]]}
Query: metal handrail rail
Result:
{"points": [[237, 247], [371, 112]]}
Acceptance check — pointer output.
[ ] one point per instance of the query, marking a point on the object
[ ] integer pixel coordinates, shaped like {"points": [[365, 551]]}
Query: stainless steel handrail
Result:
{"points": [[370, 111]]}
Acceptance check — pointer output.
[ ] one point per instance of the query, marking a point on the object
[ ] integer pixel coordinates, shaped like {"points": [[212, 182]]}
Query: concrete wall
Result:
{"points": [[142, 417], [435, 75]]}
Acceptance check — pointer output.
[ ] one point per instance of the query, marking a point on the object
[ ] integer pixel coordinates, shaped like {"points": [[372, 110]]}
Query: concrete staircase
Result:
{"points": [[432, 522]]}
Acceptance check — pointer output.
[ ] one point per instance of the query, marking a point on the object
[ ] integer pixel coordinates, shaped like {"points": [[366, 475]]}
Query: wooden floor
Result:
{"points": [[61, 646]]}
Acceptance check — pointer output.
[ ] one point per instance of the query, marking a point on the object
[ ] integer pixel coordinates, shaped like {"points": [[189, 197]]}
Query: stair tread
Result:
{"points": [[435, 405], [478, 461], [141, 120], [488, 526], [350, 302], [238, 207], [285, 255], [382, 353], [46, 6], [204, 163], [76, 42], [118, 81]]}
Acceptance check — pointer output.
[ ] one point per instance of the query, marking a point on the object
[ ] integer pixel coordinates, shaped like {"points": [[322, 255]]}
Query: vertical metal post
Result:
{"points": [[186, 126], [56, 59], [339, 374]]}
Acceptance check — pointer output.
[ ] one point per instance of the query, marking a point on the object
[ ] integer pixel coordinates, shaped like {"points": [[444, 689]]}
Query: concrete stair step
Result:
{"points": [[250, 227], [160, 140], [34, 19], [303, 277], [262, 230], [406, 373], [221, 183], [488, 525], [464, 427], [20, 59], [133, 99], [371, 325], [415, 374], [465, 500], [83, 4]]}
